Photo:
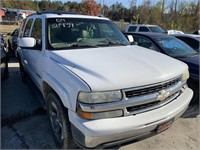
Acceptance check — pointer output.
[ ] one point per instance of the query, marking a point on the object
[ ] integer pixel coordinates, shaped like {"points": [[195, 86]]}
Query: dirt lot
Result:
{"points": [[7, 28]]}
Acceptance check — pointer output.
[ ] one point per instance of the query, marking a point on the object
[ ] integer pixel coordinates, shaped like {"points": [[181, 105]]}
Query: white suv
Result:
{"points": [[144, 28], [99, 90]]}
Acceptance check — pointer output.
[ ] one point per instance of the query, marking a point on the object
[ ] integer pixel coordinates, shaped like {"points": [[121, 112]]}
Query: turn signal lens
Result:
{"points": [[100, 115]]}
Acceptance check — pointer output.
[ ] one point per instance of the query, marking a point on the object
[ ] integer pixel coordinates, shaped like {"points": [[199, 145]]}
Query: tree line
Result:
{"points": [[174, 14]]}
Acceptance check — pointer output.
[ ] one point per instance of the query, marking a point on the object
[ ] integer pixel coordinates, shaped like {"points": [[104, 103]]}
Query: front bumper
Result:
{"points": [[111, 131]]}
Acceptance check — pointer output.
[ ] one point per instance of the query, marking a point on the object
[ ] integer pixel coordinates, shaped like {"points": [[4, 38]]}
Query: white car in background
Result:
{"points": [[174, 32], [144, 28]]}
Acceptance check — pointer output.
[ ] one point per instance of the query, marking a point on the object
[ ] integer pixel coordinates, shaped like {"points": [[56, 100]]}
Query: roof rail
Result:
{"points": [[56, 12], [101, 15]]}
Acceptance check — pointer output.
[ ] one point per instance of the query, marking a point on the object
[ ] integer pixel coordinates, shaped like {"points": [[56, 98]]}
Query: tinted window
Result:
{"points": [[144, 42], [143, 29], [156, 29], [191, 42], [37, 32], [132, 29], [27, 28]]}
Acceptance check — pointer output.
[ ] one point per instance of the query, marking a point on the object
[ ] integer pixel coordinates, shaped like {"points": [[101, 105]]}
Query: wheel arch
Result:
{"points": [[53, 86]]}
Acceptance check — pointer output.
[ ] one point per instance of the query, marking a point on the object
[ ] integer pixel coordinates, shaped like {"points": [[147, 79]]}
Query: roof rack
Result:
{"points": [[55, 12], [61, 13]]}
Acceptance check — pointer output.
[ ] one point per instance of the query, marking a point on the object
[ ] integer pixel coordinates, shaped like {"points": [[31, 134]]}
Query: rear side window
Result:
{"points": [[191, 42], [143, 29], [132, 29], [27, 28]]}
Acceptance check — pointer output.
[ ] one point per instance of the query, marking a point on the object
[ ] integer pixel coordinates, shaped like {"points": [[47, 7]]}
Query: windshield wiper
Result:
{"points": [[76, 45], [111, 42], [187, 55]]}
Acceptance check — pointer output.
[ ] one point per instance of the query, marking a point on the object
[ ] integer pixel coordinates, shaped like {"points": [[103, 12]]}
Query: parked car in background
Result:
{"points": [[4, 58], [196, 32], [190, 39], [174, 32], [173, 47], [12, 41], [144, 28]]}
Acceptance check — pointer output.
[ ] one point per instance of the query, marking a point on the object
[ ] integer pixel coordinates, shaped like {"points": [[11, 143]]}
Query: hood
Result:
{"points": [[193, 64], [112, 68]]}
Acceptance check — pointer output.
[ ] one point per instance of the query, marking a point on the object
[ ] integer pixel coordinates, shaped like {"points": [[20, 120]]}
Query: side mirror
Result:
{"points": [[27, 42], [131, 39]]}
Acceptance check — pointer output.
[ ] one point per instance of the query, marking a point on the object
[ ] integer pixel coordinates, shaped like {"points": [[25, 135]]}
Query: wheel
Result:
{"points": [[4, 69], [6, 73], [195, 87], [22, 72], [60, 124], [9, 47]]}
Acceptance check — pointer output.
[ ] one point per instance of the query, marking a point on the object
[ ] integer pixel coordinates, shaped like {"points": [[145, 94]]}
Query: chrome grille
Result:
{"points": [[151, 105], [151, 89]]}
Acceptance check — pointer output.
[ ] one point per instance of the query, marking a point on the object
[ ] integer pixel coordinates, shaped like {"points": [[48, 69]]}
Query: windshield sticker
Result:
{"points": [[62, 23]]}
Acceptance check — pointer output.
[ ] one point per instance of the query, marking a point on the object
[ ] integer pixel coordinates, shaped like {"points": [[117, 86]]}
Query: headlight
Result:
{"points": [[185, 75], [99, 97]]}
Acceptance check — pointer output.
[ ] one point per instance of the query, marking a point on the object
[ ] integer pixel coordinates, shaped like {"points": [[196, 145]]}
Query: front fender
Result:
{"points": [[59, 89]]}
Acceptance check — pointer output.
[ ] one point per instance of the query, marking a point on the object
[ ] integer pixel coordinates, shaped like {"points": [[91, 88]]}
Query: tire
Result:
{"points": [[22, 72], [6, 73], [4, 67], [9, 47], [60, 124], [195, 87]]}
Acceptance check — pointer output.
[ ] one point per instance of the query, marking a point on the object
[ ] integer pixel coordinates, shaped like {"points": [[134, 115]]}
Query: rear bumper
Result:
{"points": [[113, 131]]}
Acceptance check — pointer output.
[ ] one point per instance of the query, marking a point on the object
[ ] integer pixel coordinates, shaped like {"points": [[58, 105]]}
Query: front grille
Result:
{"points": [[152, 105], [151, 89]]}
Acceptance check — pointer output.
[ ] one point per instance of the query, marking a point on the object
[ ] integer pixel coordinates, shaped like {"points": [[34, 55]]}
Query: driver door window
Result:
{"points": [[144, 43], [37, 32]]}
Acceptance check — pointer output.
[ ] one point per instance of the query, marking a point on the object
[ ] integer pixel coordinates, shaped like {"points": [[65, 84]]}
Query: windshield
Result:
{"points": [[175, 47], [157, 29], [72, 33]]}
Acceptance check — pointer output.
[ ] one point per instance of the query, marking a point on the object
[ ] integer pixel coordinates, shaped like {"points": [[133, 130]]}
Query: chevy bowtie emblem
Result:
{"points": [[163, 95]]}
